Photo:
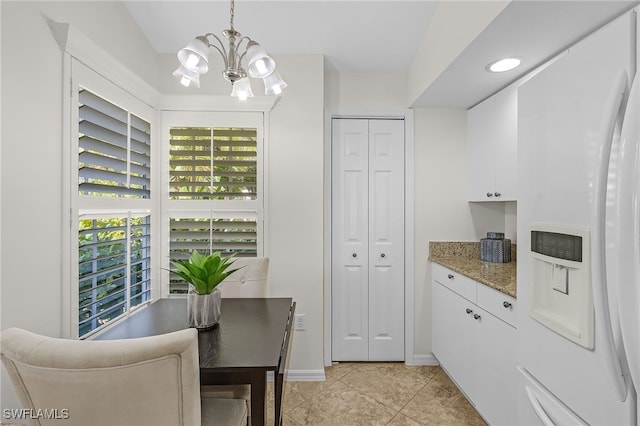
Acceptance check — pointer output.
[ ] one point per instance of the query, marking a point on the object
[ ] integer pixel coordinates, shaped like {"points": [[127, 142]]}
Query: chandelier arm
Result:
{"points": [[240, 57], [221, 49]]}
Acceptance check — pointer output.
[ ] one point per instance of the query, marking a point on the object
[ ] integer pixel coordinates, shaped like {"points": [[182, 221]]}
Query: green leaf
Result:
{"points": [[197, 258], [204, 273]]}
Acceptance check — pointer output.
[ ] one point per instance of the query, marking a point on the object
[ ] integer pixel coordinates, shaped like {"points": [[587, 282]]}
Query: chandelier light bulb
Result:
{"points": [[187, 77], [195, 56], [274, 84], [261, 67], [192, 62], [260, 64], [242, 89]]}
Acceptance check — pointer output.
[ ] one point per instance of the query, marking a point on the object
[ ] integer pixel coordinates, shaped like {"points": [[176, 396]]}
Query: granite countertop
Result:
{"points": [[464, 258]]}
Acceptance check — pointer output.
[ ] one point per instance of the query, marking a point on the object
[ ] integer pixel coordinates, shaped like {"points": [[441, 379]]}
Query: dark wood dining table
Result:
{"points": [[249, 341]]}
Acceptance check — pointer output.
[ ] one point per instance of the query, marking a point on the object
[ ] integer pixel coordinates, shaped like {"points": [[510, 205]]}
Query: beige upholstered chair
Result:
{"points": [[138, 382], [249, 281]]}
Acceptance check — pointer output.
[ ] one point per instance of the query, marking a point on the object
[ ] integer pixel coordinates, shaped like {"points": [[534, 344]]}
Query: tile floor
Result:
{"points": [[378, 394]]}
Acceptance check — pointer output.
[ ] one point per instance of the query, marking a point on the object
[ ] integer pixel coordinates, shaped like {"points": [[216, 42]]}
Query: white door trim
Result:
{"points": [[407, 115]]}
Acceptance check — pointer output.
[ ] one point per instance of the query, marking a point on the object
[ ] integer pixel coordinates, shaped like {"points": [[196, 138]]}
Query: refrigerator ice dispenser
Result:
{"points": [[561, 295]]}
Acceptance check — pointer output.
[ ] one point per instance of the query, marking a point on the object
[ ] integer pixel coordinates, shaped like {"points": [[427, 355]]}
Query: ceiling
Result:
{"points": [[382, 36]]}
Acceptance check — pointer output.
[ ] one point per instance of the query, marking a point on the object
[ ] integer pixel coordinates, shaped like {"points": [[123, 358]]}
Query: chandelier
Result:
{"points": [[194, 61]]}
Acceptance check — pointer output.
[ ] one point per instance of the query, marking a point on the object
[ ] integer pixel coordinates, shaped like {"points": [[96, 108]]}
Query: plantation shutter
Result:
{"points": [[114, 268], [212, 163], [114, 150], [207, 235]]}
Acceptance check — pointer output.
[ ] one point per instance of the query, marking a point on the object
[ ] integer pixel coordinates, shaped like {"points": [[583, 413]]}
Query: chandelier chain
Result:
{"points": [[232, 13]]}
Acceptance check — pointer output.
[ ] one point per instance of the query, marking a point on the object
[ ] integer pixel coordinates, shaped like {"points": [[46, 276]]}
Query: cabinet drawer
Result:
{"points": [[498, 304], [456, 282]]}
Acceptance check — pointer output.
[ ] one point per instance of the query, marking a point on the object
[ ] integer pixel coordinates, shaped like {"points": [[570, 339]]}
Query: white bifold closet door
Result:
{"points": [[367, 261]]}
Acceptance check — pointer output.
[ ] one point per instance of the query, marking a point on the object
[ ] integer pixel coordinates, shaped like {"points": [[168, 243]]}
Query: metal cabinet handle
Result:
{"points": [[489, 194], [469, 311], [382, 255], [506, 304], [497, 194], [450, 276], [476, 316]]}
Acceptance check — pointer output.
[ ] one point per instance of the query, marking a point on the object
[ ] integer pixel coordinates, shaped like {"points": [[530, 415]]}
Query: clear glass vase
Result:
{"points": [[203, 309]]}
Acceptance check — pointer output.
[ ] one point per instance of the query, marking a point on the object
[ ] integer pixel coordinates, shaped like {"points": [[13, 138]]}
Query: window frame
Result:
{"points": [[219, 208], [90, 207]]}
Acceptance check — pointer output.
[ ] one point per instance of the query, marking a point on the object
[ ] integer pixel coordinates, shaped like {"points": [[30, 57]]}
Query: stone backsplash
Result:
{"points": [[467, 249]]}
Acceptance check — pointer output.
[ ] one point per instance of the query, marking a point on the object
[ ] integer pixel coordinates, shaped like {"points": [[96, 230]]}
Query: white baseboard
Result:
{"points": [[424, 360], [306, 376]]}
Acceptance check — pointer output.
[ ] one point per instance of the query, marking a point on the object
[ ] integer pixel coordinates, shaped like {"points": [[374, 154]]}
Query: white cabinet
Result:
{"points": [[492, 133], [474, 344], [453, 337], [496, 375]]}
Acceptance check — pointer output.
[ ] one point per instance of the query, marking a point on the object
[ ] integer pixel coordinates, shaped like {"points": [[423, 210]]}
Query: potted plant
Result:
{"points": [[204, 274]]}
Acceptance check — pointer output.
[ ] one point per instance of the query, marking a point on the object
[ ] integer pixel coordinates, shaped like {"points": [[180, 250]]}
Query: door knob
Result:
{"points": [[489, 194], [382, 255], [506, 304], [450, 276], [469, 311], [476, 316], [497, 194], [354, 255]]}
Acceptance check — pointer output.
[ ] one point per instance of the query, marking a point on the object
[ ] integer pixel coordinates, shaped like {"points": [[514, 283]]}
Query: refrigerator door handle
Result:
{"points": [[627, 219], [599, 278], [537, 407], [547, 407]]}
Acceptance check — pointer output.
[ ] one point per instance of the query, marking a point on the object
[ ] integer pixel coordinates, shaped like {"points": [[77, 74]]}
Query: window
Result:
{"points": [[114, 150], [208, 235], [112, 200], [114, 268], [214, 186], [212, 163]]}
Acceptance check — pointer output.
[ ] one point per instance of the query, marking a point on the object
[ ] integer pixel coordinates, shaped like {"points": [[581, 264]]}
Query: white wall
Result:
{"points": [[441, 210], [31, 132], [366, 92], [295, 204]]}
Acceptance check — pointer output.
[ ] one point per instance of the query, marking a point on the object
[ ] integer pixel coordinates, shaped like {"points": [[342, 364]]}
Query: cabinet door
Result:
{"points": [[492, 148], [481, 126], [496, 375], [505, 145], [454, 337]]}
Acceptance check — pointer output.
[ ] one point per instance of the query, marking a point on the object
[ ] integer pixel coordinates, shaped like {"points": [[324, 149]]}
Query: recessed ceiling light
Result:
{"points": [[502, 65]]}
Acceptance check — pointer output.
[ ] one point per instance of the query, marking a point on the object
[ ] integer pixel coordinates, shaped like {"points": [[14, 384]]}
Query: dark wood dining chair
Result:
{"points": [[283, 368]]}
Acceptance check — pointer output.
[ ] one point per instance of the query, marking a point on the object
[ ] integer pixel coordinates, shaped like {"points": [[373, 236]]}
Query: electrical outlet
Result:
{"points": [[299, 324]]}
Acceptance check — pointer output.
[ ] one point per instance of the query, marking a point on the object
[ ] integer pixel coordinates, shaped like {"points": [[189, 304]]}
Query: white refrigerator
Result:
{"points": [[579, 234]]}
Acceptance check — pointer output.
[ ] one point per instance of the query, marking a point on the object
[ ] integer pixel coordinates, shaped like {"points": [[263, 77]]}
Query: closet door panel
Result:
{"points": [[350, 251], [386, 240]]}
